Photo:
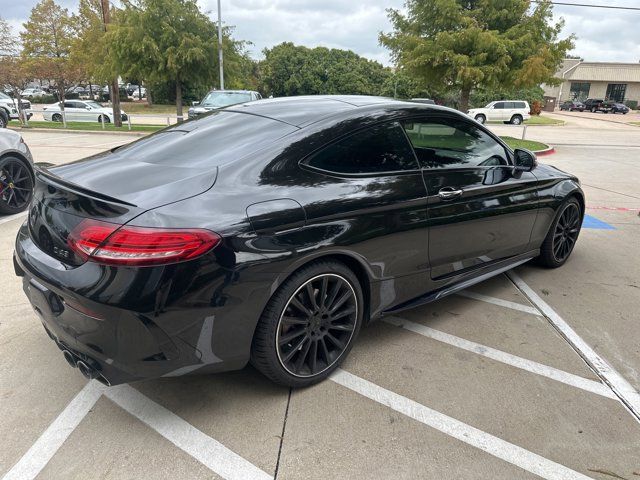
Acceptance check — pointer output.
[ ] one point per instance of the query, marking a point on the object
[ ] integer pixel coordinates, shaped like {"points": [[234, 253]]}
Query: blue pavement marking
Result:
{"points": [[593, 222]]}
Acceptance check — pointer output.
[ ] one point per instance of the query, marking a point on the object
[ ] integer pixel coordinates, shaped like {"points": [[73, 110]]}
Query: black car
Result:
{"points": [[271, 231], [572, 106], [620, 108], [594, 105]]}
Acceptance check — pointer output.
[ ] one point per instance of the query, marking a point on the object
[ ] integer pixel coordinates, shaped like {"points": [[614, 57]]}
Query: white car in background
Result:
{"points": [[506, 111], [80, 111], [10, 106]]}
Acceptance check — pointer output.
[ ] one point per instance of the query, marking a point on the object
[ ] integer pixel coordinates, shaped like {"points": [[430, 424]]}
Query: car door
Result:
{"points": [[496, 113], [378, 207], [480, 209], [71, 111]]}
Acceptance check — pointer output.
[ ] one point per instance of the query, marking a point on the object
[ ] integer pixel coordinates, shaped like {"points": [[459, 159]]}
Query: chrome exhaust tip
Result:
{"points": [[70, 358], [89, 372]]}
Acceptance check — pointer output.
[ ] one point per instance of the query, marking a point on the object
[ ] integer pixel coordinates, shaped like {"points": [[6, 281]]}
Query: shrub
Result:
{"points": [[632, 104], [44, 99]]}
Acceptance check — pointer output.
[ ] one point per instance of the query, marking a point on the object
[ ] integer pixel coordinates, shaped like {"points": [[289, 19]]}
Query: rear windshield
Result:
{"points": [[224, 99], [209, 141]]}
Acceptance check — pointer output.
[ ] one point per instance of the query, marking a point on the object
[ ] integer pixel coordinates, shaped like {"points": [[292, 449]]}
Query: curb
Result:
{"points": [[542, 153], [66, 131]]}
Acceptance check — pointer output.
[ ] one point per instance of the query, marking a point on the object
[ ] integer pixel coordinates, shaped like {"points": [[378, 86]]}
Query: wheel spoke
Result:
{"points": [[334, 293], [323, 291], [311, 293], [342, 328], [296, 303], [335, 341], [295, 321], [343, 313], [295, 349], [303, 354], [325, 350], [283, 340], [339, 302], [313, 366]]}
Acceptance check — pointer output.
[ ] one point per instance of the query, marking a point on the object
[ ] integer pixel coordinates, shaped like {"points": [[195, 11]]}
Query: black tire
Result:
{"points": [[317, 339], [564, 228], [16, 185], [4, 118], [106, 119], [593, 110], [56, 117], [480, 118], [516, 120]]}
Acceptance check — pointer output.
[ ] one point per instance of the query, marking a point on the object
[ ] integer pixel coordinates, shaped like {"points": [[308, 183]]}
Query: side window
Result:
{"points": [[509, 105], [499, 105], [453, 143], [520, 105], [69, 105], [376, 150]]}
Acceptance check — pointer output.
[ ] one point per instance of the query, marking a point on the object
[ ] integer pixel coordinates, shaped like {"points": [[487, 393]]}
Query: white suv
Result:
{"points": [[10, 106], [507, 111]]}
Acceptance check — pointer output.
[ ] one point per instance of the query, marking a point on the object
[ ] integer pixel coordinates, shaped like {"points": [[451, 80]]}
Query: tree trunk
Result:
{"points": [[179, 100], [115, 102], [149, 99], [464, 99]]}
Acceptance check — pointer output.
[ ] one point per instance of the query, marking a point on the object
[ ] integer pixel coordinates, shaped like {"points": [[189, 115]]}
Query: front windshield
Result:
{"points": [[93, 104], [224, 99]]}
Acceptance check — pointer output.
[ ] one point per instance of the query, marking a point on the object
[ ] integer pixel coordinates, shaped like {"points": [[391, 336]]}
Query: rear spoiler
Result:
{"points": [[42, 171]]}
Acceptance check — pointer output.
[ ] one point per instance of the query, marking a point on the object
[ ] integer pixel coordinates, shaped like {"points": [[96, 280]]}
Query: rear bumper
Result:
{"points": [[83, 311]]}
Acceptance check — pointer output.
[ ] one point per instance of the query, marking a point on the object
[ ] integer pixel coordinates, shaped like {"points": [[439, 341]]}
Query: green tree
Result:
{"points": [[172, 41], [47, 40], [460, 45], [296, 70]]}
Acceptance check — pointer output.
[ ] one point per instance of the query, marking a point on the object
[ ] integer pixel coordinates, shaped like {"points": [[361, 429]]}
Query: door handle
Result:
{"points": [[448, 193]]}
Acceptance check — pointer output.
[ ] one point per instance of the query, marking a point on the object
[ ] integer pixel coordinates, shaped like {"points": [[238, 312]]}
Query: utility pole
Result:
{"points": [[220, 46], [114, 95]]}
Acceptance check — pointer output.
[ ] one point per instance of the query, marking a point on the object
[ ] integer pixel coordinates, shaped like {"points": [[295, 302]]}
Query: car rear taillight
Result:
{"points": [[114, 244]]}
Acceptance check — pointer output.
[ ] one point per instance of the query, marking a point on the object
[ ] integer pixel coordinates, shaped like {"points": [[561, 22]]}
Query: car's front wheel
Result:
{"points": [[103, 118], [56, 117], [562, 235], [516, 120], [480, 118], [309, 325]]}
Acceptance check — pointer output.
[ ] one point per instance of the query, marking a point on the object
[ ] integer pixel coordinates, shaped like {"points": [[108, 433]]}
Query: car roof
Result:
{"points": [[304, 110]]}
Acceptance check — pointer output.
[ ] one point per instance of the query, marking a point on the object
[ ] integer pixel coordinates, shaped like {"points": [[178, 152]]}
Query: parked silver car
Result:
{"points": [[222, 98], [16, 173], [80, 111]]}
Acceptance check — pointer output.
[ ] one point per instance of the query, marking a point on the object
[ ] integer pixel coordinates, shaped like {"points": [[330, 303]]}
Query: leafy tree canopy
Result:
{"points": [[460, 45], [289, 69]]}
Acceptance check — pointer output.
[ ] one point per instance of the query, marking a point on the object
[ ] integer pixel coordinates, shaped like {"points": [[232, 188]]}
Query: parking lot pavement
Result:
{"points": [[477, 385]]}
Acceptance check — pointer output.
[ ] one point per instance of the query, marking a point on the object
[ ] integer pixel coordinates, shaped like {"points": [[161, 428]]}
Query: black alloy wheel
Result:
{"points": [[309, 325], [562, 236], [316, 325], [16, 185], [56, 117]]}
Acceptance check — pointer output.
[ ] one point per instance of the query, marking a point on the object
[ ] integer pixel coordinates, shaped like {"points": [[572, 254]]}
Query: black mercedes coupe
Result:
{"points": [[272, 231]]}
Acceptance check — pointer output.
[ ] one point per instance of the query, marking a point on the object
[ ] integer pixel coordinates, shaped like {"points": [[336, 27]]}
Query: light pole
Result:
{"points": [[220, 46]]}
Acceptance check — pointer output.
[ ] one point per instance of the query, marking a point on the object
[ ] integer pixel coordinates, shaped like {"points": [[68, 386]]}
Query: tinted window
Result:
{"points": [[453, 143], [520, 105], [212, 140], [499, 105], [509, 105], [379, 149]]}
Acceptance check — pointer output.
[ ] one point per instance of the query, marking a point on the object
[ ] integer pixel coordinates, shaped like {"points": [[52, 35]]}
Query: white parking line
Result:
{"points": [[504, 357], [499, 302], [185, 436], [486, 442], [12, 217], [629, 396], [32, 462]]}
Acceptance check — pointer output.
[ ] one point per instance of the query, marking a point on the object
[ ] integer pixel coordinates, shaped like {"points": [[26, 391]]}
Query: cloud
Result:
{"points": [[602, 34]]}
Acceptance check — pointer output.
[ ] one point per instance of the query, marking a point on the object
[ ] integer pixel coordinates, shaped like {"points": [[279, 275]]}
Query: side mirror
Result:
{"points": [[195, 104], [524, 160]]}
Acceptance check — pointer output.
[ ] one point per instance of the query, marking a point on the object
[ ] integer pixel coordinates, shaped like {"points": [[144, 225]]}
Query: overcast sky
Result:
{"points": [[603, 35]]}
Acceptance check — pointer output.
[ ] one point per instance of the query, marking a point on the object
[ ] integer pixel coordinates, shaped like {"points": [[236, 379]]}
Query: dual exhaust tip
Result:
{"points": [[85, 369]]}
